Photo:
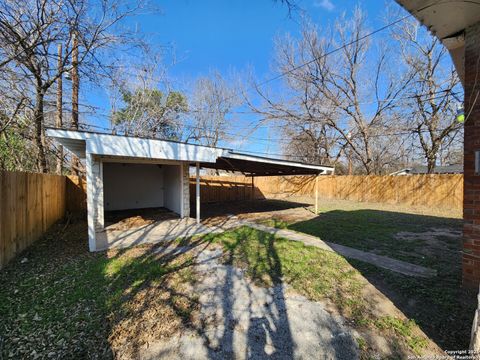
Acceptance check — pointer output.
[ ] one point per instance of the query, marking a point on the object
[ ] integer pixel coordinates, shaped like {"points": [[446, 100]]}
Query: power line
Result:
{"points": [[359, 39], [400, 132], [344, 46], [411, 132]]}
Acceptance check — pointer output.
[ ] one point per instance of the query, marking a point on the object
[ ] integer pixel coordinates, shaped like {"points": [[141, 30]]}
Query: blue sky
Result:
{"points": [[229, 35]]}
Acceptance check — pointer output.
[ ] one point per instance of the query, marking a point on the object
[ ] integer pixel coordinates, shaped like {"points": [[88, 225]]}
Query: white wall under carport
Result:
{"points": [[140, 186], [133, 186], [118, 184]]}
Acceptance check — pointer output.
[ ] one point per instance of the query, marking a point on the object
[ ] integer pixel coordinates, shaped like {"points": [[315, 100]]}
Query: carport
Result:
{"points": [[132, 173]]}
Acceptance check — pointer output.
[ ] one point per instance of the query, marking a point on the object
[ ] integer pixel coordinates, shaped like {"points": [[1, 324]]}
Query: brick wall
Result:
{"points": [[471, 198]]}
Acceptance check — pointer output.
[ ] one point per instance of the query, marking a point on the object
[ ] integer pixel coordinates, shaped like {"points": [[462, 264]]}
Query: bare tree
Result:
{"points": [[352, 91], [29, 33], [432, 93], [212, 99]]}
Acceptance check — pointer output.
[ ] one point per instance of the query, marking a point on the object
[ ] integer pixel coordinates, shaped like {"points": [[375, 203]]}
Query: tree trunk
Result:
{"points": [[58, 120], [39, 138], [431, 160]]}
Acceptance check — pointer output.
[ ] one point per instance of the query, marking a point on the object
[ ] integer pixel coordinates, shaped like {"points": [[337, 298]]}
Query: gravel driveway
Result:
{"points": [[243, 321]]}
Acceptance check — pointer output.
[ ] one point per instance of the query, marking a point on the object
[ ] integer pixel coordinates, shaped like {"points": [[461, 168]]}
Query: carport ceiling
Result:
{"points": [[264, 166]]}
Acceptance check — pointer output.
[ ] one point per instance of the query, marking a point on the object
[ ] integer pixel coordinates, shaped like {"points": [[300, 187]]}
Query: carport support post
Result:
{"points": [[252, 194], [197, 192], [316, 194]]}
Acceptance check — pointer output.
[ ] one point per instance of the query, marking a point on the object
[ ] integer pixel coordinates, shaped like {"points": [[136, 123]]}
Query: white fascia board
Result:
{"points": [[276, 161], [65, 134], [111, 145], [74, 141]]}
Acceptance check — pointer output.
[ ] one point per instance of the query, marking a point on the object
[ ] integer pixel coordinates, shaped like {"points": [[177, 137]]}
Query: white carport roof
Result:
{"points": [[104, 145]]}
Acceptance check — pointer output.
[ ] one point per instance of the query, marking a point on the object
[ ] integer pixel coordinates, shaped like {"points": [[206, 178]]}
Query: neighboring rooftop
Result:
{"points": [[416, 170]]}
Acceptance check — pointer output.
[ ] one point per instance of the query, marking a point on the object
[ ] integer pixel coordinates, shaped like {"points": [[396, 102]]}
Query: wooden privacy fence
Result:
{"points": [[440, 191], [224, 188], [76, 195], [29, 205]]}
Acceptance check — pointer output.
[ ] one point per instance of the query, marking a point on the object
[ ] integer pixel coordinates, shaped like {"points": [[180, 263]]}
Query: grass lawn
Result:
{"points": [[322, 275], [439, 305], [59, 301]]}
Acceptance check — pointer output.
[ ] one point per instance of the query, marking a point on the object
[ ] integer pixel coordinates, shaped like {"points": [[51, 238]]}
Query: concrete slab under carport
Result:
{"points": [[155, 232]]}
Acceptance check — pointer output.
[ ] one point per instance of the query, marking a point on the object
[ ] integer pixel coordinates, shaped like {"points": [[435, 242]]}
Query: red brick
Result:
{"points": [[471, 201]]}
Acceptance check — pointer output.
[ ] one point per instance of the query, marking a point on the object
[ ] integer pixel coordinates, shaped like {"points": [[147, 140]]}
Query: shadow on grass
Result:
{"points": [[147, 301], [268, 265], [441, 307], [58, 300], [244, 207], [93, 301]]}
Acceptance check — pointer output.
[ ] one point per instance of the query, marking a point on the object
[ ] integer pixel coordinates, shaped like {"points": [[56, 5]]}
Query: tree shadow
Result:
{"points": [[238, 317], [442, 308], [144, 216], [246, 207], [275, 332], [274, 324]]}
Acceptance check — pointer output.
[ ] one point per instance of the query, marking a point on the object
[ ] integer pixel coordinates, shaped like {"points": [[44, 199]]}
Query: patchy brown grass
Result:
{"points": [[57, 300]]}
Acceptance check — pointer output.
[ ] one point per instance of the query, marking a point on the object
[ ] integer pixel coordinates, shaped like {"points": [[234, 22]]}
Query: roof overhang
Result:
{"points": [[447, 20], [82, 143], [263, 166], [110, 147]]}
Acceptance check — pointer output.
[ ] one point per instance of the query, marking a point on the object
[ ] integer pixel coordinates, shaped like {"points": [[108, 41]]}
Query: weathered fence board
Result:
{"points": [[440, 191], [29, 205], [223, 188], [76, 189]]}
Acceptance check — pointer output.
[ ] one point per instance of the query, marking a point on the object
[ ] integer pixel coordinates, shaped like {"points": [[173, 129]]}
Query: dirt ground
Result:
{"points": [[256, 210], [127, 219], [240, 320], [292, 209]]}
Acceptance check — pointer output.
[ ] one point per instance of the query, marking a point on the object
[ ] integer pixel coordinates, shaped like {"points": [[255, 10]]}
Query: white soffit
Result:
{"points": [[101, 144], [444, 18], [447, 20], [81, 143]]}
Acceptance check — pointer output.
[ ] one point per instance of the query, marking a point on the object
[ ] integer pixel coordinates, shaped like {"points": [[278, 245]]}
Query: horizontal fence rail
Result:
{"points": [[224, 188]]}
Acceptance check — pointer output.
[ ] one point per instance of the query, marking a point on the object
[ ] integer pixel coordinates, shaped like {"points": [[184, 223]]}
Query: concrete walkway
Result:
{"points": [[385, 262]]}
